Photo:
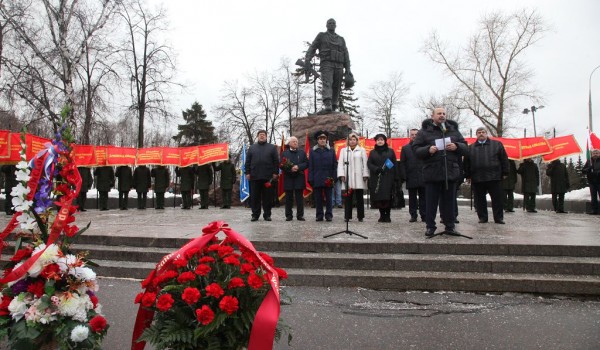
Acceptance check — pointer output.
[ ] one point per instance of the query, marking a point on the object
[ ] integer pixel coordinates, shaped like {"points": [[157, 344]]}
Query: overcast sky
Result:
{"points": [[225, 40]]}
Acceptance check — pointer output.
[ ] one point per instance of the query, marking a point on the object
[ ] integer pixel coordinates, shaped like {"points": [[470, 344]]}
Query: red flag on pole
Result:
{"points": [[280, 191], [561, 147], [308, 190]]}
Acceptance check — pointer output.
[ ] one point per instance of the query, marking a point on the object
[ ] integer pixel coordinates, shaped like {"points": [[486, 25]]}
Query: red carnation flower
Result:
{"points": [[138, 298], [164, 277], [267, 258], [232, 260], [4, 305], [98, 324], [22, 254], [205, 315], [94, 300], [164, 302], [213, 247], [71, 231], [207, 259], [51, 271], [214, 290], [148, 299], [36, 288], [229, 304], [202, 270], [190, 295], [268, 184], [180, 262], [281, 273], [246, 268], [225, 250], [235, 282], [187, 276], [255, 281], [190, 253]]}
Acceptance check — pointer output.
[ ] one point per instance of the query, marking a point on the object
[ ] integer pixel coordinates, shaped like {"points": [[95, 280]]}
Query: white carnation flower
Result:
{"points": [[79, 333], [75, 306], [35, 269], [22, 176], [17, 308], [66, 262], [27, 222], [22, 165], [21, 204], [83, 273], [50, 255]]}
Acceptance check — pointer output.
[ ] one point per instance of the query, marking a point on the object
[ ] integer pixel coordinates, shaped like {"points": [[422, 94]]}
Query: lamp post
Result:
{"points": [[590, 98], [533, 110]]}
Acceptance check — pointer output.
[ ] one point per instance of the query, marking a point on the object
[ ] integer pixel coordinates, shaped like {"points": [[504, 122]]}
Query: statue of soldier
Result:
{"points": [[334, 59]]}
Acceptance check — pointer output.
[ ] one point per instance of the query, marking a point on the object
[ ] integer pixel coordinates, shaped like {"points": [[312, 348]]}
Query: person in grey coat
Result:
{"points": [[559, 184], [262, 167], [486, 165]]}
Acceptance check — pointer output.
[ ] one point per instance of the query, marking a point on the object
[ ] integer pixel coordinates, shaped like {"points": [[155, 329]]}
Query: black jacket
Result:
{"points": [[433, 164], [486, 161], [294, 180], [530, 177], [559, 177], [411, 167], [141, 179], [321, 165], [262, 161], [378, 173], [510, 181], [592, 170]]}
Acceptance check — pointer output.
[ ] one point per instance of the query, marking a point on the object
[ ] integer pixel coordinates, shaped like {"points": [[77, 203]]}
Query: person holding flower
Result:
{"points": [[262, 167], [353, 162], [321, 174], [293, 163], [381, 163]]}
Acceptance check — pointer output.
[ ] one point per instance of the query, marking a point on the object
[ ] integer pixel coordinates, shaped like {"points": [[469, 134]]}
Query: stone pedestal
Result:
{"points": [[337, 124]]}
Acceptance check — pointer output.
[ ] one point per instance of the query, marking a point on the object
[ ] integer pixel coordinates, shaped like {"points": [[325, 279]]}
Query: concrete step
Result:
{"points": [[367, 247], [406, 280], [398, 262], [463, 281]]}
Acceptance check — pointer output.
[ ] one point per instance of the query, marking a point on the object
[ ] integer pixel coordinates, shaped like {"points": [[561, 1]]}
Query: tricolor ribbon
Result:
{"points": [[262, 334], [50, 153]]}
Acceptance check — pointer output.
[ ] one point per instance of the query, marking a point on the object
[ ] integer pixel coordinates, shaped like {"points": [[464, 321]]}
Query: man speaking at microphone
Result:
{"points": [[441, 146]]}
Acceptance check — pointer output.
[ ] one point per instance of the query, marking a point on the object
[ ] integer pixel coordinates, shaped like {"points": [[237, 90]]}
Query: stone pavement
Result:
{"points": [[544, 227]]}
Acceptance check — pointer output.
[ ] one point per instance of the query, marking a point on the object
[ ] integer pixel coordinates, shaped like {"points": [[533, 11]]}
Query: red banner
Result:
{"points": [[213, 153], [152, 155], [100, 152], [4, 144], [561, 147], [34, 145], [397, 143], [120, 155], [512, 147], [188, 156], [15, 148], [84, 155], [534, 146], [170, 156]]}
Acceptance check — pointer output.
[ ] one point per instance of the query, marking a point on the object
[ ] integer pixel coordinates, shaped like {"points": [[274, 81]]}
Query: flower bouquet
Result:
{"points": [[347, 193], [47, 294], [329, 182], [286, 165], [211, 294]]}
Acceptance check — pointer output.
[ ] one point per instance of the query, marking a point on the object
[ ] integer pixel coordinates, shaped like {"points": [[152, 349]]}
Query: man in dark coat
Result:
{"points": [[440, 146], [125, 177], [186, 184], [530, 178], [262, 167], [592, 170], [508, 186], [411, 170], [10, 181], [105, 181], [86, 184], [322, 169], [204, 180], [293, 164], [559, 184], [142, 183], [228, 178], [161, 183], [485, 166]]}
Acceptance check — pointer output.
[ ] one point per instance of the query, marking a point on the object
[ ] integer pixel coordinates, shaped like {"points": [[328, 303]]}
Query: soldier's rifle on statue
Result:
{"points": [[308, 70]]}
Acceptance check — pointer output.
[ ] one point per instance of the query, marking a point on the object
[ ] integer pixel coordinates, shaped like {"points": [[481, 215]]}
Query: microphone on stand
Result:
{"points": [[443, 127]]}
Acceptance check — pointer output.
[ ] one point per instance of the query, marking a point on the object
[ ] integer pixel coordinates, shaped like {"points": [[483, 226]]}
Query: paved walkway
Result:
{"points": [[544, 227]]}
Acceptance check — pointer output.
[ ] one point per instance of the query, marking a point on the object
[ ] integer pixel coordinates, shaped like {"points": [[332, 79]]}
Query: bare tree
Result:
{"points": [[293, 92], [269, 97], [489, 74], [150, 64], [235, 112], [384, 98], [48, 45]]}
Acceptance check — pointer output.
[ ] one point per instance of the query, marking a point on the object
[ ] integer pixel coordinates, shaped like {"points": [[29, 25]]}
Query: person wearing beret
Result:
{"points": [[322, 169]]}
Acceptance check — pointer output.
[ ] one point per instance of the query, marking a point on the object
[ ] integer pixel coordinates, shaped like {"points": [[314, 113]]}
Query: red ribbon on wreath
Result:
{"points": [[262, 334]]}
